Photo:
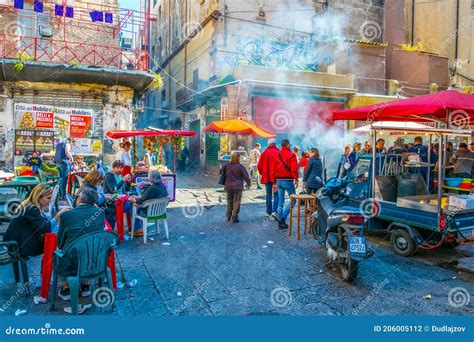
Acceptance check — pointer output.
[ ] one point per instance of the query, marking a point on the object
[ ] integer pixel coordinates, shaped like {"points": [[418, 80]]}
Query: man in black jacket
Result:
{"points": [[85, 218], [155, 191]]}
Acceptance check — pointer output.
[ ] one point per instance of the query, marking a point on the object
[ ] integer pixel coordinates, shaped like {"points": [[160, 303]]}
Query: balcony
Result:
{"points": [[71, 53]]}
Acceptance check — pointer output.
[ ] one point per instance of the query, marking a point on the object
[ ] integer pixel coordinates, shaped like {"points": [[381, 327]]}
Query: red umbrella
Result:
{"points": [[448, 105]]}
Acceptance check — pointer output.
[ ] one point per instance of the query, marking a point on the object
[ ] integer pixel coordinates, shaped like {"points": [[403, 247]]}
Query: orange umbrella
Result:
{"points": [[236, 126]]}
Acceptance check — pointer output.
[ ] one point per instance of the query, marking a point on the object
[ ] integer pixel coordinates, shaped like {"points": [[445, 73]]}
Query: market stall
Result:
{"points": [[237, 128], [153, 143], [421, 213]]}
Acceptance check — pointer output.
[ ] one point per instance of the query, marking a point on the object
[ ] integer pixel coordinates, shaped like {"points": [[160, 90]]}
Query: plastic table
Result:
{"points": [[50, 245], [119, 204]]}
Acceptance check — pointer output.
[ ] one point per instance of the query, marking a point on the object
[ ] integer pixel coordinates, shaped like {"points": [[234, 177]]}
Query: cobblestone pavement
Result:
{"points": [[213, 267]]}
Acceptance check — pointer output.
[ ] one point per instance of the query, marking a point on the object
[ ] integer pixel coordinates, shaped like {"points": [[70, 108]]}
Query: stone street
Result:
{"points": [[213, 267]]}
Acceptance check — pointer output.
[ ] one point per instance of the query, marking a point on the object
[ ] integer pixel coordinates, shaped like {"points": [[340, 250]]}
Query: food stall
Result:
{"points": [[238, 129], [419, 213], [154, 142]]}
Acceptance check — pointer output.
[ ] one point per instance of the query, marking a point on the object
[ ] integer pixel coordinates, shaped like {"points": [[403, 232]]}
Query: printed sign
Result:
{"points": [[44, 120], [80, 126], [24, 141], [44, 141]]}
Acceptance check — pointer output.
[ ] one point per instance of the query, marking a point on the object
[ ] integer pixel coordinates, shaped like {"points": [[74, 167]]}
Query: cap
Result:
{"points": [[271, 141]]}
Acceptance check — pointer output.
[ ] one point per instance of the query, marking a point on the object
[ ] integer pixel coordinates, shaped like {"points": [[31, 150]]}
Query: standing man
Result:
{"points": [[463, 161], [125, 157], [64, 160], [380, 146], [254, 157], [266, 166], [286, 180]]}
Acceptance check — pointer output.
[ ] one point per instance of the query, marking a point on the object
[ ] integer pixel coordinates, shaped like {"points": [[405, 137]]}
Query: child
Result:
{"points": [[35, 162]]}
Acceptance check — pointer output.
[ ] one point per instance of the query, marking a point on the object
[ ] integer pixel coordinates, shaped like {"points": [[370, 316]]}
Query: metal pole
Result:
{"points": [[428, 174], [440, 175], [374, 139]]}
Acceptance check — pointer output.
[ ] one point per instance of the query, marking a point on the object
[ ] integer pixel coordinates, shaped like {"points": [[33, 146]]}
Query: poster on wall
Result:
{"points": [[82, 146], [80, 126], [24, 141], [44, 141], [64, 122]]}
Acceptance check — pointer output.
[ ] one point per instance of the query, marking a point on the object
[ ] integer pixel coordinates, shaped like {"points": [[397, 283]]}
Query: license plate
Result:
{"points": [[357, 244]]}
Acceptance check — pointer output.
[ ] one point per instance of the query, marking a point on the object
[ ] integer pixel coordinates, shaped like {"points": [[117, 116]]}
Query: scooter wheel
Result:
{"points": [[402, 243], [349, 269]]}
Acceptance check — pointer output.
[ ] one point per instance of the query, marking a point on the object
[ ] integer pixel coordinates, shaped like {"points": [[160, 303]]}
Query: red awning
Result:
{"points": [[448, 105], [143, 133]]}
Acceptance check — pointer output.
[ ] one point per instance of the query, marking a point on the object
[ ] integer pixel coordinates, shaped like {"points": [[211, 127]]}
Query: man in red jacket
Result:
{"points": [[286, 175], [266, 167]]}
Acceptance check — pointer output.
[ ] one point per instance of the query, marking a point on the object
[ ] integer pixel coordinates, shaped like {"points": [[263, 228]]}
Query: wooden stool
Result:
{"points": [[309, 206]]}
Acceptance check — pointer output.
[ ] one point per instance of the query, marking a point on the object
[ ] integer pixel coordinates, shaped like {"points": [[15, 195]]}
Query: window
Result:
{"points": [[154, 3]]}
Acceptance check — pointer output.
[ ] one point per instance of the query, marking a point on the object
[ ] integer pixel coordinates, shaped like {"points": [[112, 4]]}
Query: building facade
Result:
{"points": [[66, 74], [284, 65]]}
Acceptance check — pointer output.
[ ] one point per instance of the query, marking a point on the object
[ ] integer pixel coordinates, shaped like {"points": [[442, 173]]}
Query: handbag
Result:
{"points": [[221, 180]]}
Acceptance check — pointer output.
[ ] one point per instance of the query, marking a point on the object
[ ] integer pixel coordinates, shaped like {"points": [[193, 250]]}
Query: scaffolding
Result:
{"points": [[46, 37]]}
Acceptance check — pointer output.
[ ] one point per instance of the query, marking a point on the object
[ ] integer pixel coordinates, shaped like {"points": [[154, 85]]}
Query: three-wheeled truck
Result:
{"points": [[398, 198]]}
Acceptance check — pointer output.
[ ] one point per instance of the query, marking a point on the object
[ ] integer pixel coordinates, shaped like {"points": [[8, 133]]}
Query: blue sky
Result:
{"points": [[130, 4]]}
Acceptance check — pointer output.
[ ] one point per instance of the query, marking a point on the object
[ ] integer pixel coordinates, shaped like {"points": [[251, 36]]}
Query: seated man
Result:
{"points": [[85, 218], [155, 191], [115, 183]]}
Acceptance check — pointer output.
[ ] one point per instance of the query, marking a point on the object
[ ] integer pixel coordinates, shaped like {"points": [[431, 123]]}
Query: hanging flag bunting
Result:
{"points": [[19, 4], [59, 10], [109, 18], [38, 7], [97, 16], [69, 12]]}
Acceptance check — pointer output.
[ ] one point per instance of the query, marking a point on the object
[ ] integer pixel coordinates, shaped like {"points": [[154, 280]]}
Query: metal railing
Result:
{"points": [[72, 53]]}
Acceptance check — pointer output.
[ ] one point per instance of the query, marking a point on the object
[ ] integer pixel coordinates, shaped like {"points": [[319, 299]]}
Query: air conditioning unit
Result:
{"points": [[45, 31]]}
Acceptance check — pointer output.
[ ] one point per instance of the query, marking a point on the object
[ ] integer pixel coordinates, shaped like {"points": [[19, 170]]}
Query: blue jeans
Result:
{"points": [[269, 196], [63, 174], [287, 186]]}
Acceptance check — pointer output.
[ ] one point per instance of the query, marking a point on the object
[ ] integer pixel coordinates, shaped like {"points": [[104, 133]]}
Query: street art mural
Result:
{"points": [[300, 54]]}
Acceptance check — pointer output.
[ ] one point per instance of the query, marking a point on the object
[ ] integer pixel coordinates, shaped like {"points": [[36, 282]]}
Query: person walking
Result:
{"points": [[313, 177], [64, 160], [235, 175], [266, 167], [287, 176], [254, 157], [344, 163]]}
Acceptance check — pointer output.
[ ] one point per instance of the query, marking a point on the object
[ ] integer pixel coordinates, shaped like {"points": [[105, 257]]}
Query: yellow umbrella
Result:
{"points": [[236, 126]]}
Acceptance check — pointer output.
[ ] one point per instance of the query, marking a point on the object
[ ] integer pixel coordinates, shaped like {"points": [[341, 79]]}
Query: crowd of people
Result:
{"points": [[94, 199], [279, 170]]}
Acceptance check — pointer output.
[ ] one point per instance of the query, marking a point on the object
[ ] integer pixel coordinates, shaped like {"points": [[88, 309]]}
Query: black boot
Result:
{"points": [[235, 220], [282, 225]]}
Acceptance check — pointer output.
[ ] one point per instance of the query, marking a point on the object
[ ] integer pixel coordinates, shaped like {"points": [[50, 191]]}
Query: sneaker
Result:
{"points": [[268, 215], [275, 216], [64, 294], [85, 290], [282, 225], [138, 233], [259, 188]]}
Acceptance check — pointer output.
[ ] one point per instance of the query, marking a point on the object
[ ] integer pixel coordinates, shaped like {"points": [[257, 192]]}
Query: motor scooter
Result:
{"points": [[340, 228]]}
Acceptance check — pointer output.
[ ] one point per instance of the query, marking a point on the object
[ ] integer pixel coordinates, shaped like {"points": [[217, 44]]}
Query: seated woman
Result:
{"points": [[93, 182], [79, 165], [30, 224], [155, 191]]}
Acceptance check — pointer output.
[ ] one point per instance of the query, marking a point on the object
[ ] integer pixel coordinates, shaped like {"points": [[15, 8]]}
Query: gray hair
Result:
{"points": [[88, 196], [154, 176]]}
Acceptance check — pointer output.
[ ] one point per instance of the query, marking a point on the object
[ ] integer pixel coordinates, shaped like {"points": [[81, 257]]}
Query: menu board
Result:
{"points": [[24, 141], [44, 141]]}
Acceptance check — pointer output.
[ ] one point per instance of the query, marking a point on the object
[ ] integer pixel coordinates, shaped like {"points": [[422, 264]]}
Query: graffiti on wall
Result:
{"points": [[299, 54]]}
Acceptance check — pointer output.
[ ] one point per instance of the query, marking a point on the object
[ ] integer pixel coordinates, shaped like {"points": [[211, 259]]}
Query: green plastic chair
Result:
{"points": [[91, 251], [45, 179], [10, 254]]}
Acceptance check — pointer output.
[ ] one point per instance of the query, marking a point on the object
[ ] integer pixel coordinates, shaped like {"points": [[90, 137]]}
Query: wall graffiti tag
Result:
{"points": [[299, 54]]}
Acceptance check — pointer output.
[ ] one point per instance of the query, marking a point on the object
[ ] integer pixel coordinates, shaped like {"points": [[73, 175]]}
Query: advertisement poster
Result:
{"points": [[64, 122], [24, 141], [44, 120], [82, 146], [80, 126], [44, 141]]}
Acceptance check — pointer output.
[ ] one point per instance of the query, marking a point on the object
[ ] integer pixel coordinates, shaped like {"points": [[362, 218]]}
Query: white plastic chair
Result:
{"points": [[156, 211]]}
